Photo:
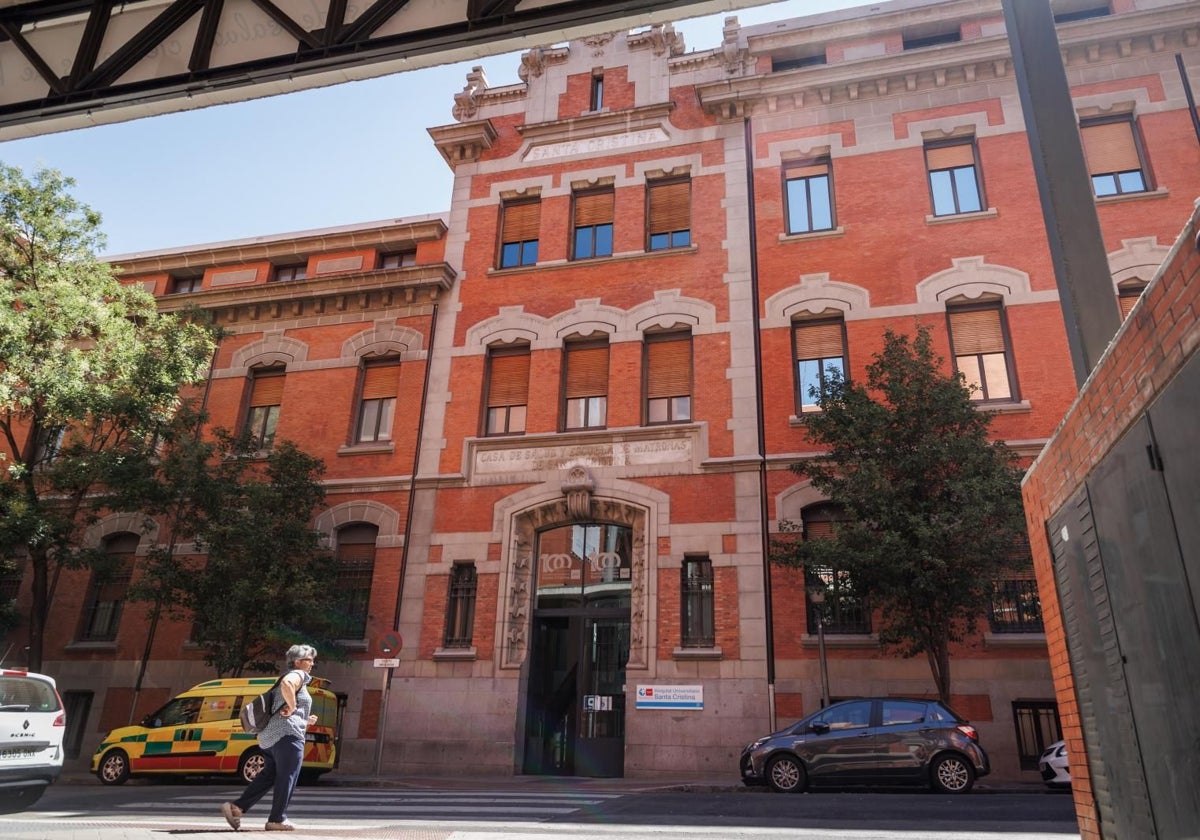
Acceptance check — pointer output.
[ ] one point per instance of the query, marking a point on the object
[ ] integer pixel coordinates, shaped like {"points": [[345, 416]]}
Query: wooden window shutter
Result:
{"points": [[820, 530], [268, 389], [1127, 300], [1109, 147], [949, 157], [381, 381], [976, 331], [594, 208], [670, 207], [669, 368], [522, 221], [807, 171], [509, 383], [587, 372], [819, 341]]}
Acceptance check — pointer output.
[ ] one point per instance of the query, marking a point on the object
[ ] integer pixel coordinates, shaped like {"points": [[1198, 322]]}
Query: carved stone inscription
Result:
{"points": [[597, 145], [615, 454]]}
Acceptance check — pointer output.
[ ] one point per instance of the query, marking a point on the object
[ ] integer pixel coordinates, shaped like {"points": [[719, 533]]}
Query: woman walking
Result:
{"points": [[282, 743]]}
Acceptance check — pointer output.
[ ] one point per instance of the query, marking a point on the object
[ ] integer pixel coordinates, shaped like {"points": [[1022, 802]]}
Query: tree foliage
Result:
{"points": [[90, 370], [932, 506], [266, 579]]}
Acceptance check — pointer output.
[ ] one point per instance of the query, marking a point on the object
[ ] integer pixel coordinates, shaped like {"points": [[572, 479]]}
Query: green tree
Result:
{"points": [[90, 370], [266, 579], [932, 506]]}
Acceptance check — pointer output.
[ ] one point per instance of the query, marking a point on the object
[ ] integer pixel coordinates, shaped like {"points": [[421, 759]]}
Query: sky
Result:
{"points": [[339, 155]]}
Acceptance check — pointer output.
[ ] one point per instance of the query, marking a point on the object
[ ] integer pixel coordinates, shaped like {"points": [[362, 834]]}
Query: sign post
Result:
{"points": [[386, 647]]}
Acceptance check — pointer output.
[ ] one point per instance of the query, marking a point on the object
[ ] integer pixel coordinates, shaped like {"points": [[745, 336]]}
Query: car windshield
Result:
{"points": [[25, 694]]}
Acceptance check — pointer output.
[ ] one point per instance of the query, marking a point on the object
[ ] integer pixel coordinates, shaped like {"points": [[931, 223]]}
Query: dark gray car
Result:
{"points": [[878, 740]]}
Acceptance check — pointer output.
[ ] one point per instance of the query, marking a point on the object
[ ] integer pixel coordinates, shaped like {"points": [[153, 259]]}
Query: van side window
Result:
{"points": [[181, 710], [217, 709]]}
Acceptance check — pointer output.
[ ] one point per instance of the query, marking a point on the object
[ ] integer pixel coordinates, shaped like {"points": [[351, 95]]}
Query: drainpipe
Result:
{"points": [[1187, 92], [408, 518], [763, 518]]}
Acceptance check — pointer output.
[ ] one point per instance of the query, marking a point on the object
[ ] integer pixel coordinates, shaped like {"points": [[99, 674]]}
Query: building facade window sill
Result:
{"points": [[554, 265], [812, 234], [1014, 640], [367, 448], [91, 646], [989, 213], [466, 654], [841, 640], [1137, 196], [694, 653], [1004, 407]]}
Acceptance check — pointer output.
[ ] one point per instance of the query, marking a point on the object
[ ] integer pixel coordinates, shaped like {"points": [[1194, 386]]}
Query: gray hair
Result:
{"points": [[300, 652]]}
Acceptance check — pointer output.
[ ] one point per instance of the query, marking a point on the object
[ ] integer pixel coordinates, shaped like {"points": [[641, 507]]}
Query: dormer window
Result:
{"points": [[399, 259], [285, 273], [184, 285]]}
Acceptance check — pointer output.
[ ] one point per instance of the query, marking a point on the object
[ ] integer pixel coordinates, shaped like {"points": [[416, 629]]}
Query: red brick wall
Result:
{"points": [[1162, 333]]}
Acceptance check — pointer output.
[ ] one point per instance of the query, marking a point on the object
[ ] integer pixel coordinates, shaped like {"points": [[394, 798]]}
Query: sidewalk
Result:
{"points": [[654, 784]]}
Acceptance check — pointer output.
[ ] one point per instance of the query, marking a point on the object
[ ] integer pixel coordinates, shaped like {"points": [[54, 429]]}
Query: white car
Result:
{"points": [[32, 724], [1056, 772]]}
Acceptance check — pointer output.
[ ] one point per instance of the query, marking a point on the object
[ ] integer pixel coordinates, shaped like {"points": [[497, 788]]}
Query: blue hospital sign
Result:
{"points": [[670, 697]]}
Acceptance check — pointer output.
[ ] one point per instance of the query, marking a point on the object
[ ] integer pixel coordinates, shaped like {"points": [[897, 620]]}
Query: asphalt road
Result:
{"points": [[158, 811]]}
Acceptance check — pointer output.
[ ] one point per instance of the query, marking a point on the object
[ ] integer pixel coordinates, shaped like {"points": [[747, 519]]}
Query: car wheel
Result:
{"points": [[18, 799], [114, 768], [252, 763], [786, 774], [952, 774]]}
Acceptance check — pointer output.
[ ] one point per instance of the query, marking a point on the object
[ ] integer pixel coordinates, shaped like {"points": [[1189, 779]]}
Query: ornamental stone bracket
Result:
{"points": [[578, 489], [522, 578], [466, 104]]}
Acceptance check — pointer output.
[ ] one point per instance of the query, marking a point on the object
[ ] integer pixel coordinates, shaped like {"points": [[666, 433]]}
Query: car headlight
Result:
{"points": [[753, 745], [1061, 751]]}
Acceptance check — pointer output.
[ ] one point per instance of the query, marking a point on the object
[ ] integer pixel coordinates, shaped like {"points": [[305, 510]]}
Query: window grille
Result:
{"points": [[697, 613], [460, 609]]}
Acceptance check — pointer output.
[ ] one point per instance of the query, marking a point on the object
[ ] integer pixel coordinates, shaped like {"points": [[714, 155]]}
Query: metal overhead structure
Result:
{"points": [[68, 64]]}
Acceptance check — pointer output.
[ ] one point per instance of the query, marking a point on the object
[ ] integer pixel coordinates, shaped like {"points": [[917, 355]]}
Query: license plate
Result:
{"points": [[17, 754]]}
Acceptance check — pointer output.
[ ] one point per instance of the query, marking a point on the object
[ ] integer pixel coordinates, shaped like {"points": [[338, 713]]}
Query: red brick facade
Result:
{"points": [[730, 123]]}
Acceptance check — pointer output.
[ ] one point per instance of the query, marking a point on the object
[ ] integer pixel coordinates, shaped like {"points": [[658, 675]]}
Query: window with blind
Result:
{"points": [[808, 194], [108, 587], [697, 612], [668, 214], [668, 365], [585, 386], [843, 609], [592, 222], [355, 568], [820, 353], [953, 178], [507, 391], [1113, 158], [266, 396], [520, 222], [377, 401], [1127, 296], [460, 607], [981, 351]]}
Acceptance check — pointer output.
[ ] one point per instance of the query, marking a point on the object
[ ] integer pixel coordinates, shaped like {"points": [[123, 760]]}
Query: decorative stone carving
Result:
{"points": [[665, 40], [532, 64], [733, 55], [466, 106], [578, 489], [597, 43]]}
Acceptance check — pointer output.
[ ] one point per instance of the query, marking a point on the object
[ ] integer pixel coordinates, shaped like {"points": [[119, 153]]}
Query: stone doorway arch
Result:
{"points": [[577, 505]]}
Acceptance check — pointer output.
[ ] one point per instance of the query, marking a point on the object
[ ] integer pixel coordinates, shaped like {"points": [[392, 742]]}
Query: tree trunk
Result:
{"points": [[38, 609], [938, 653]]}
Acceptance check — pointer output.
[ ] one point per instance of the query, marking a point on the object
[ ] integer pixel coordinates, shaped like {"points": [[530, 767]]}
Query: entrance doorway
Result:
{"points": [[575, 721]]}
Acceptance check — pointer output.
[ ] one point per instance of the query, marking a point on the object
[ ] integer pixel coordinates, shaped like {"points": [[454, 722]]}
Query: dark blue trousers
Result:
{"points": [[279, 774]]}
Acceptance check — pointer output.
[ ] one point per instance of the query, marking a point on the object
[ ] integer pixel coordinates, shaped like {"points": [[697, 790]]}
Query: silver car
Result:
{"points": [[879, 740], [32, 724], [1055, 766]]}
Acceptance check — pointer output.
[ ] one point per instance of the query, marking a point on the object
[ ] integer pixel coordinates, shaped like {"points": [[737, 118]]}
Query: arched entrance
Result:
{"points": [[575, 621]]}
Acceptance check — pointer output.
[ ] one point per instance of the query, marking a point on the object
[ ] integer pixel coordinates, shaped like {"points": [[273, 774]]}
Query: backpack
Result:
{"points": [[257, 713]]}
